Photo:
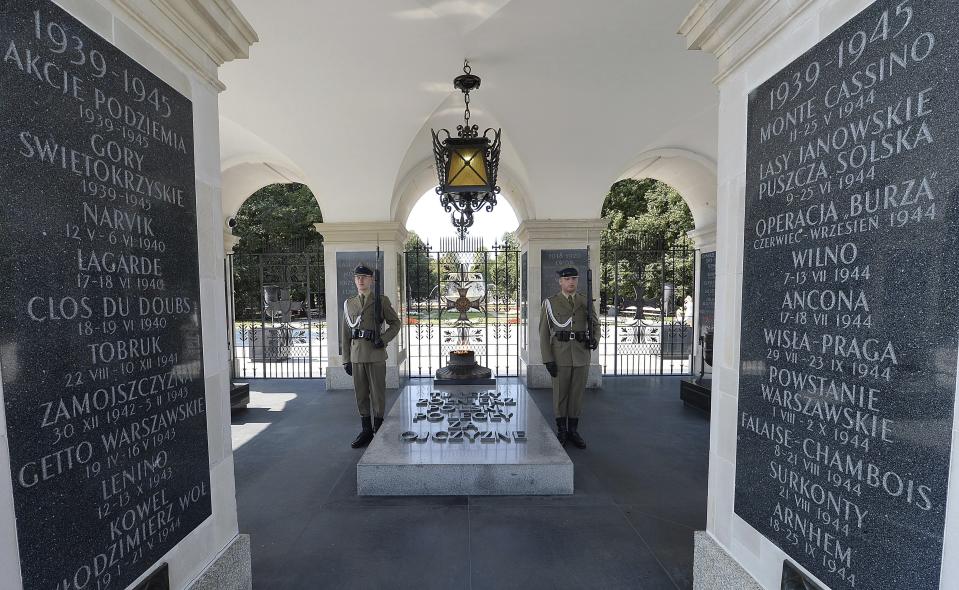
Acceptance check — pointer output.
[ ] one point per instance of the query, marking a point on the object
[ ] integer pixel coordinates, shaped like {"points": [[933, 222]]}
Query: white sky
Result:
{"points": [[430, 222]]}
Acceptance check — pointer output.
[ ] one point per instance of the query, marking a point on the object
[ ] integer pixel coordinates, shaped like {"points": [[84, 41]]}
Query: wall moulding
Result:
{"points": [[362, 232], [203, 34], [560, 229], [733, 30]]}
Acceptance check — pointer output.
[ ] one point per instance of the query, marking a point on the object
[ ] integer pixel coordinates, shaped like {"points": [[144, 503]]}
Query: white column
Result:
{"points": [[364, 237], [536, 235]]}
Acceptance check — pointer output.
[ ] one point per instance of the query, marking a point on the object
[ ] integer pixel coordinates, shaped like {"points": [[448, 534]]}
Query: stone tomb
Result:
{"points": [[464, 440]]}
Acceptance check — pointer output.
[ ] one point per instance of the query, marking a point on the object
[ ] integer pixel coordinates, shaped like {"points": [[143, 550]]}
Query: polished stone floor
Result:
{"points": [[640, 494]]}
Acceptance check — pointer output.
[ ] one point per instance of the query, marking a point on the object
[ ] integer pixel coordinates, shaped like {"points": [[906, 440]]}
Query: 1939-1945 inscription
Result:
{"points": [[100, 346], [849, 315]]}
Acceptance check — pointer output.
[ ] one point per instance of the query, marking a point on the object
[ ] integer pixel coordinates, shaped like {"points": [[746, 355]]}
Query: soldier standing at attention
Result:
{"points": [[364, 350], [566, 344]]}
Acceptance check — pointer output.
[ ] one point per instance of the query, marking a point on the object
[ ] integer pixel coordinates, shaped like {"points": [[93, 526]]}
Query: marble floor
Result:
{"points": [[640, 494]]}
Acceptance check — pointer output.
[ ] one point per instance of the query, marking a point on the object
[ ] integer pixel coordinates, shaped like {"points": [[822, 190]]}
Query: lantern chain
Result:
{"points": [[466, 95]]}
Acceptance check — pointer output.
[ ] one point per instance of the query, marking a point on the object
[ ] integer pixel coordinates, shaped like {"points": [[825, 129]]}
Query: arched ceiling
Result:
{"points": [[347, 93]]}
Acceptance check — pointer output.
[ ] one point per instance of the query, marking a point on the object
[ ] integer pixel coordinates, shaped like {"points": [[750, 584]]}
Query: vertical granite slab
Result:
{"points": [[100, 324], [707, 291], [392, 466], [849, 313]]}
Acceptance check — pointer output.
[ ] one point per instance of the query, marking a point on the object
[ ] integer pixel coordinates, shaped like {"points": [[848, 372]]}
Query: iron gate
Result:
{"points": [[277, 315], [646, 308], [463, 296]]}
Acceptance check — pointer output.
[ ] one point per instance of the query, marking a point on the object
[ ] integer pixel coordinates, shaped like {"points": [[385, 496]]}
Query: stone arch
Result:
{"points": [[422, 178], [691, 174], [248, 164]]}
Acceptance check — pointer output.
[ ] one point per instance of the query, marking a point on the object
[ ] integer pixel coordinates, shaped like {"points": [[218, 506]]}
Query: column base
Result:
{"points": [[231, 570], [714, 569], [336, 378], [537, 377]]}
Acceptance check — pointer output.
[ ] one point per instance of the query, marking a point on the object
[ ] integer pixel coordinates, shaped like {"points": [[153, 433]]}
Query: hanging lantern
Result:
{"points": [[466, 165]]}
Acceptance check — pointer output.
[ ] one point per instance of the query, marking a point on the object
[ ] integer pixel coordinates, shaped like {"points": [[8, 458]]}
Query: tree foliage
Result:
{"points": [[277, 218], [421, 269], [645, 244]]}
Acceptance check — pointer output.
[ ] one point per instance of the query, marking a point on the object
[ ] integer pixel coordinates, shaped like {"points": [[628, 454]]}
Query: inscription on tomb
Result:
{"points": [[477, 416], [100, 344], [849, 313]]}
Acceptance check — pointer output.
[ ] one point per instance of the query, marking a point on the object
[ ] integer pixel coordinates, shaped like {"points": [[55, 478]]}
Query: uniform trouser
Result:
{"points": [[568, 386], [369, 384]]}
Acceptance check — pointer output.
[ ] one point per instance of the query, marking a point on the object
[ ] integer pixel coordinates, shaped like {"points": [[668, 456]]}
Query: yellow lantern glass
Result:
{"points": [[467, 167]]}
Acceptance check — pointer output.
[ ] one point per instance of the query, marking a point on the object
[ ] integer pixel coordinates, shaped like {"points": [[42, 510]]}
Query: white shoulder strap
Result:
{"points": [[549, 311], [350, 321]]}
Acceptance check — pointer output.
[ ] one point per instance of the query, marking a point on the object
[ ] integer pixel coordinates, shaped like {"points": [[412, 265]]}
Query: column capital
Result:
{"points": [[733, 30], [704, 238], [362, 232], [561, 229]]}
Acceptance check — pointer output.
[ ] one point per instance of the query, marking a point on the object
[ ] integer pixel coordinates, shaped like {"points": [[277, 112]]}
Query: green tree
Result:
{"points": [[277, 218], [504, 268], [648, 221], [421, 269]]}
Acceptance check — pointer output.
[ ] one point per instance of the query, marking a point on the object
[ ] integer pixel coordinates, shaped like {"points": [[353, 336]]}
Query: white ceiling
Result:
{"points": [[341, 95]]}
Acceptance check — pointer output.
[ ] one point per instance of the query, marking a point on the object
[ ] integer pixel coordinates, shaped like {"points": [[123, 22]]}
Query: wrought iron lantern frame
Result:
{"points": [[458, 199]]}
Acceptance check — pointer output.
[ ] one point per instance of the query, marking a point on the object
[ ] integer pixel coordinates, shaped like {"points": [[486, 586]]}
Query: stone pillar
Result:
{"points": [[363, 237], [704, 240], [755, 41], [181, 46], [535, 236]]}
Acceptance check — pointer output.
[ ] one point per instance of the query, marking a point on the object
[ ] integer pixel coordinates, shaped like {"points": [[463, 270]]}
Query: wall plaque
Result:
{"points": [[100, 344], [849, 310], [552, 261], [707, 291]]}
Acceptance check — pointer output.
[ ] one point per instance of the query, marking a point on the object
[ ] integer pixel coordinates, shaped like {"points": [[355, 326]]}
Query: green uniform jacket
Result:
{"points": [[565, 354], [360, 350]]}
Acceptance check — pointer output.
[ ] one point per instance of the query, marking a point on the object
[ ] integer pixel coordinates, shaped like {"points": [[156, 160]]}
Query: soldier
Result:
{"points": [[364, 350], [566, 344]]}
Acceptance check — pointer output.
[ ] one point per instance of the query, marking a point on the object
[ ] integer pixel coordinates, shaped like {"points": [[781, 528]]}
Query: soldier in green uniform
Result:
{"points": [[364, 351], [566, 344]]}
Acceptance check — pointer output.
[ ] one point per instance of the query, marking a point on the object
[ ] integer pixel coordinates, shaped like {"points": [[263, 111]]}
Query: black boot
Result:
{"points": [[561, 435], [377, 422], [574, 436], [365, 435]]}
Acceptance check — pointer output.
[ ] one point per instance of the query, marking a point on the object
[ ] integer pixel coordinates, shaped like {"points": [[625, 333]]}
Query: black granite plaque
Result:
{"points": [[100, 347], [707, 291], [849, 309], [524, 301], [345, 287], [553, 261]]}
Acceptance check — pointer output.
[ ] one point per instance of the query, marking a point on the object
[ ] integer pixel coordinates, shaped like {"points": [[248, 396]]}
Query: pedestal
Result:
{"points": [[696, 393]]}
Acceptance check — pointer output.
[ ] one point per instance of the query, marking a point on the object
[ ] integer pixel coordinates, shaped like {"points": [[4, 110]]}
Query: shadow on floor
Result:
{"points": [[640, 494]]}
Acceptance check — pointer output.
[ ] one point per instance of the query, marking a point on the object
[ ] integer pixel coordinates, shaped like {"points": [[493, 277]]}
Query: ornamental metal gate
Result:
{"points": [[277, 315], [462, 296], [646, 307]]}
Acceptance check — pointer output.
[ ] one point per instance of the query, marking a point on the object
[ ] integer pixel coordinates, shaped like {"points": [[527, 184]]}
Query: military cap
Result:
{"points": [[569, 271], [362, 269]]}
